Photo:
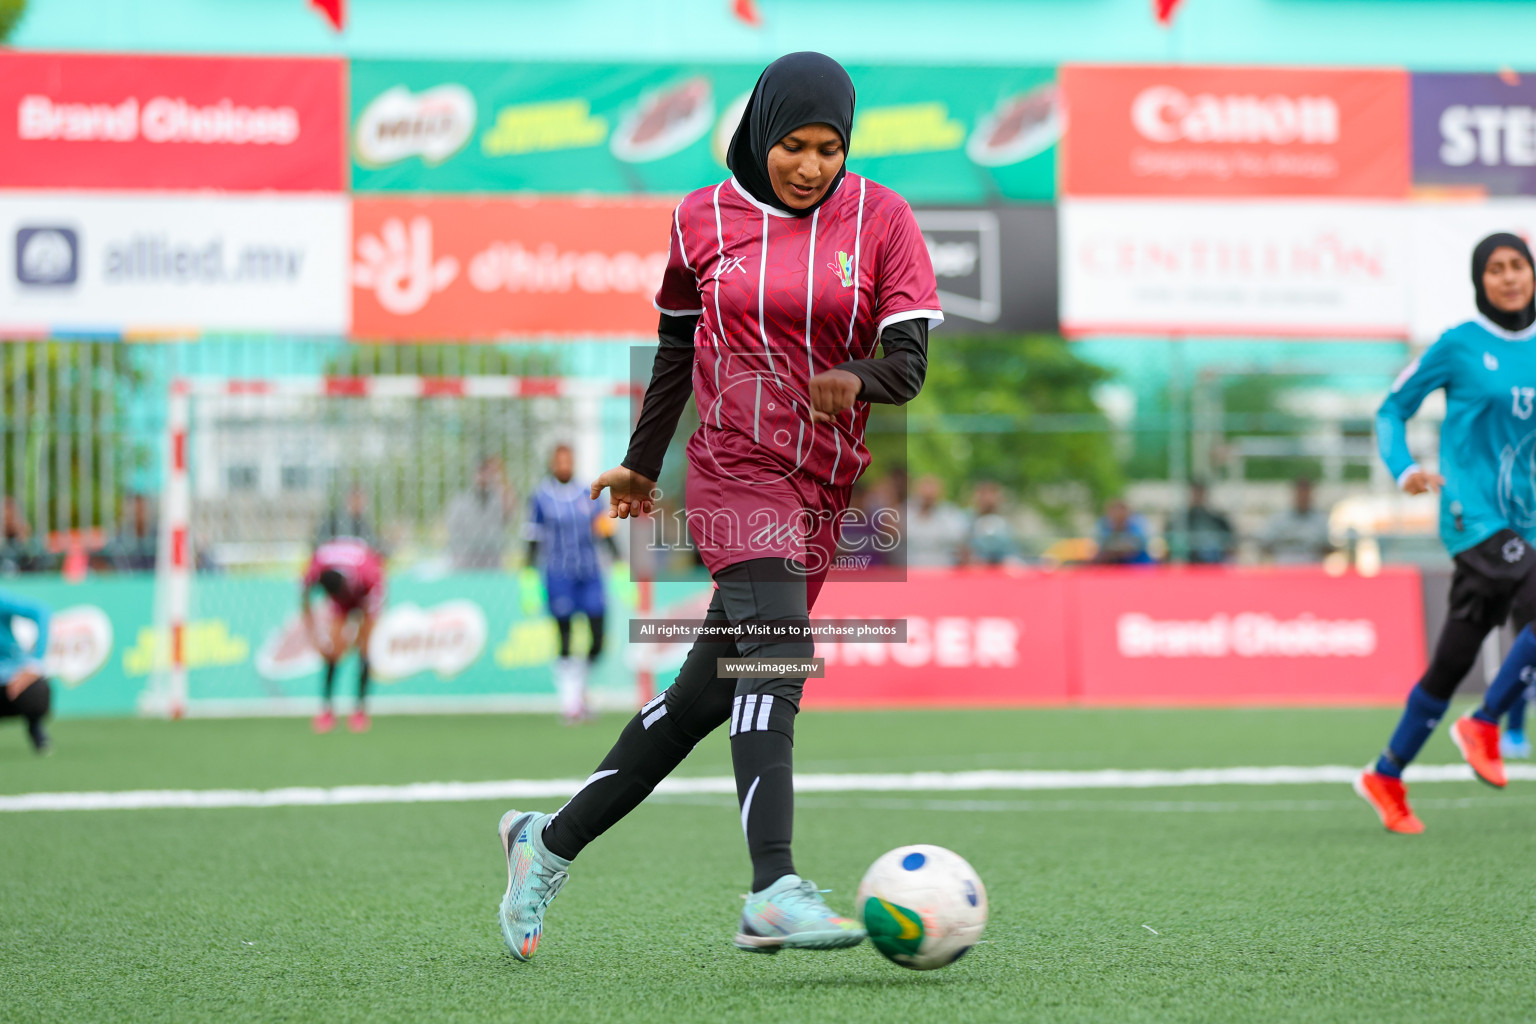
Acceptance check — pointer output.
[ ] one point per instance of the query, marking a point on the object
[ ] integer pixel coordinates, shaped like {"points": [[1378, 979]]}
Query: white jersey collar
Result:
{"points": [[1501, 332], [774, 211]]}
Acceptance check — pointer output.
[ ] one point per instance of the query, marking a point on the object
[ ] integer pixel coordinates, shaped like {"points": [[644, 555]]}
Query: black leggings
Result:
{"points": [[759, 590], [1461, 638], [664, 731], [33, 704]]}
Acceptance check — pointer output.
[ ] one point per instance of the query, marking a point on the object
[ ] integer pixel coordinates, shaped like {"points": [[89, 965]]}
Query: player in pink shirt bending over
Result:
{"points": [[779, 286], [351, 572]]}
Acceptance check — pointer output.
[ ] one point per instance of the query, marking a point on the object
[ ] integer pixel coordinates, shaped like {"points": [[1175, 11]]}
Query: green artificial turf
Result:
{"points": [[1268, 903]]}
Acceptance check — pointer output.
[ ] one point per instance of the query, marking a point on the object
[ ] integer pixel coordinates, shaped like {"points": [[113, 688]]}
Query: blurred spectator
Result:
{"points": [[1203, 535], [875, 537], [351, 521], [134, 547], [20, 552], [478, 519], [1299, 535], [989, 538], [935, 529], [17, 530], [1122, 536]]}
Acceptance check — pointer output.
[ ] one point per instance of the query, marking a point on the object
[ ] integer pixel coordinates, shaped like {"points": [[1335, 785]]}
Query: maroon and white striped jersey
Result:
{"points": [[356, 560], [781, 298]]}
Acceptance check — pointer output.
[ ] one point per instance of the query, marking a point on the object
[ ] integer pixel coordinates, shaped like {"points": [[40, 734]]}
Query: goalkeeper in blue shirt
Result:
{"points": [[24, 690], [1487, 488]]}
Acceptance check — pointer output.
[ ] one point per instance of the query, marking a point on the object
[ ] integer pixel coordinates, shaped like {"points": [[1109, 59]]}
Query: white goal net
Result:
{"points": [[435, 471]]}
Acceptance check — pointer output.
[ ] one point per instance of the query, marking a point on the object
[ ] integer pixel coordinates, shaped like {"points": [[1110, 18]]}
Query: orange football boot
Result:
{"points": [[1478, 742], [1388, 797]]}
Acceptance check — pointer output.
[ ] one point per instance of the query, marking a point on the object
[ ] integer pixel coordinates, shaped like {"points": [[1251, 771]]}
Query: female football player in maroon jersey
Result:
{"points": [[779, 285]]}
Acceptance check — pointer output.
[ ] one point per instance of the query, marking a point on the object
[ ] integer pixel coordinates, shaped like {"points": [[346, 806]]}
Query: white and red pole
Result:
{"points": [[175, 554]]}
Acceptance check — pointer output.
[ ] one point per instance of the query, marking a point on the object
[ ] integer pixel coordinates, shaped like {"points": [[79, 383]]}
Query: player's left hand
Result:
{"points": [[833, 392]]}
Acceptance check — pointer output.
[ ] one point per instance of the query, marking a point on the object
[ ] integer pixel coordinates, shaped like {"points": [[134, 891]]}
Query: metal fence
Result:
{"points": [[83, 423]]}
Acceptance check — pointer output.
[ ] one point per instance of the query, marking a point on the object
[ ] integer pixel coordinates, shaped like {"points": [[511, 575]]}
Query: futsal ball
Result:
{"points": [[923, 906]]}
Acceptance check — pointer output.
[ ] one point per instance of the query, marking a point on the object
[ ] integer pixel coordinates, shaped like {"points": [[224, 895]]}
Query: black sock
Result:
{"points": [[34, 704], [595, 625], [362, 682], [328, 685], [762, 754], [640, 759]]}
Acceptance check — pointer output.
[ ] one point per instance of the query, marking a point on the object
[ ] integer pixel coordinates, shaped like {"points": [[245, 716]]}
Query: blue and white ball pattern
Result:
{"points": [[924, 906]]}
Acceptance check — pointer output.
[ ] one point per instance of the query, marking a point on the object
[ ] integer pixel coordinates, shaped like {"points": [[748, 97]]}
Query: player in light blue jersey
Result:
{"points": [[1487, 487], [24, 689], [565, 526]]}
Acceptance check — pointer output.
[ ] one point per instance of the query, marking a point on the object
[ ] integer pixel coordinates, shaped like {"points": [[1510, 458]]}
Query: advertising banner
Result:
{"points": [[1475, 131], [95, 262], [1286, 268], [1444, 235], [1155, 130], [129, 121], [996, 266], [488, 268], [973, 639], [936, 135], [1223, 636], [464, 640], [977, 638]]}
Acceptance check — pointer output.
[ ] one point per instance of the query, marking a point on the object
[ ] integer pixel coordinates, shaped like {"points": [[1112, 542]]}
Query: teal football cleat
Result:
{"points": [[1513, 744], [790, 914], [534, 878]]}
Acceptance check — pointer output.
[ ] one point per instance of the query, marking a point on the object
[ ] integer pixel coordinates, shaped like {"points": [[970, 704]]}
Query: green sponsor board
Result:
{"points": [[471, 640], [936, 135]]}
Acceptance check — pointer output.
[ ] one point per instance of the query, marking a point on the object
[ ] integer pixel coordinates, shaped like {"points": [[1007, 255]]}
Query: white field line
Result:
{"points": [[543, 789]]}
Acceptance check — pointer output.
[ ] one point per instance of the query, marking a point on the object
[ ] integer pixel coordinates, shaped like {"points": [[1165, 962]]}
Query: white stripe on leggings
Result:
{"points": [[746, 712], [746, 806], [735, 715], [762, 712]]}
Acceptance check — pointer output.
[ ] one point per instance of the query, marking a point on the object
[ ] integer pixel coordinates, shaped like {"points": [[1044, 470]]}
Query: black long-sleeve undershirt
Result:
{"points": [[893, 378], [665, 396], [896, 376]]}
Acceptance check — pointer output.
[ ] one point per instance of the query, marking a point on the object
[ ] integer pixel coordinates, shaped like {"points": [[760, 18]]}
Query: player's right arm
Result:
{"points": [[1429, 372], [680, 304], [533, 531]]}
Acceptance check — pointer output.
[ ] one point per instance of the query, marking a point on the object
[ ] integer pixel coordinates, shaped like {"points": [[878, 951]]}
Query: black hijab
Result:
{"points": [[796, 90], [1520, 319]]}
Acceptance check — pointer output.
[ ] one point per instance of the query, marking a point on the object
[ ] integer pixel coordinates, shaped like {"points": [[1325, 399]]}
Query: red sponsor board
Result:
{"points": [[124, 121], [1226, 131], [1246, 636], [974, 638], [488, 268], [1152, 637]]}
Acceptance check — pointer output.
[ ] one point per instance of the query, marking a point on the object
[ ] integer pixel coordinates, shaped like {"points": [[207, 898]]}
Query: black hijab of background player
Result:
{"points": [[796, 90], [1520, 319]]}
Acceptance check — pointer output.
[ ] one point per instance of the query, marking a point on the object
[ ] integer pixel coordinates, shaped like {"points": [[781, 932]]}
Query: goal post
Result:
{"points": [[440, 470]]}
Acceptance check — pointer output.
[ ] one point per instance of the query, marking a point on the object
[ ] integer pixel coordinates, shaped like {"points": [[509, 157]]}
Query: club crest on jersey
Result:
{"points": [[843, 268], [1490, 360]]}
